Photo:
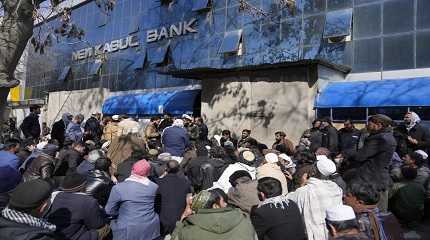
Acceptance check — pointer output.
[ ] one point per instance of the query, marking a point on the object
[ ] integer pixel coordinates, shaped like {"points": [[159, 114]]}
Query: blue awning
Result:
{"points": [[378, 93], [153, 103]]}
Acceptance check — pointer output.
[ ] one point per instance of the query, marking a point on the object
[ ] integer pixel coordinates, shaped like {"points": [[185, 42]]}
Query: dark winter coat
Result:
{"points": [[418, 132], [93, 129], [76, 215], [171, 200], [348, 140], [30, 127], [374, 159], [330, 139], [98, 186], [275, 223], [175, 140], [42, 167], [68, 161], [58, 131], [11, 230]]}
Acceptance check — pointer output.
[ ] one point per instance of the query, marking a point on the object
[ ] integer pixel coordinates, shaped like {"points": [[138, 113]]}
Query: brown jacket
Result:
{"points": [[42, 167], [110, 131], [288, 144], [151, 131], [122, 147]]}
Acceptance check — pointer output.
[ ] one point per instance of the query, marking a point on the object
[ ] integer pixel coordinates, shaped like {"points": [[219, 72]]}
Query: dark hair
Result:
{"points": [[102, 164], [281, 133], [326, 119], [418, 158], [363, 191], [271, 187], [281, 148], [409, 172], [155, 118], [225, 132], [217, 152], [247, 130], [201, 149], [11, 143], [172, 166], [216, 195], [305, 157], [251, 141], [343, 225], [316, 120], [349, 120], [34, 107]]}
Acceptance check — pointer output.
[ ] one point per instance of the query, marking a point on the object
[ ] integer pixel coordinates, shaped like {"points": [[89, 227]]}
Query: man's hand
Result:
{"points": [[412, 140]]}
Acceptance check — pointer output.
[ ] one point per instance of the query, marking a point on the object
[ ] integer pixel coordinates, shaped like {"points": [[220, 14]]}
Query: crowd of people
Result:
{"points": [[106, 178]]}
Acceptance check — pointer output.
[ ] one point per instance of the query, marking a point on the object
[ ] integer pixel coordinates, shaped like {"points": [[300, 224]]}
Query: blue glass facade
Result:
{"points": [[386, 35]]}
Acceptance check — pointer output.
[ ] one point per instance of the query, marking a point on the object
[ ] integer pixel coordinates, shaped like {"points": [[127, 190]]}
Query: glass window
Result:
{"points": [[313, 28], [357, 114], [423, 14], [338, 4], [423, 112], [231, 42], [358, 2], [95, 68], [159, 55], [102, 19], [367, 21], [314, 6], [64, 74], [399, 52], [200, 5], [323, 112], [398, 16], [395, 113], [134, 25], [367, 55], [423, 49], [338, 23], [139, 62]]}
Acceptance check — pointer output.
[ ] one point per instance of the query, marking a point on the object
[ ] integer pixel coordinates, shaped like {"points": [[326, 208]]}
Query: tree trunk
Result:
{"points": [[15, 31]]}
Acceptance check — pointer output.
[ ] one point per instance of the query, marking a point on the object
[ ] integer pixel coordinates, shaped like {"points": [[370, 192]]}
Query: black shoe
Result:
{"points": [[9, 84]]}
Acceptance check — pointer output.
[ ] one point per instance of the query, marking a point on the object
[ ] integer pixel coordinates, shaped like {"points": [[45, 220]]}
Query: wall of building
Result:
{"points": [[264, 101]]}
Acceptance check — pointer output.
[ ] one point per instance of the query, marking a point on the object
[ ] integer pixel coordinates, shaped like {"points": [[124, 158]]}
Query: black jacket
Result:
{"points": [[348, 139], [418, 132], [30, 127], [17, 231], [68, 161], [276, 223], [330, 139], [374, 159], [58, 130], [98, 186], [42, 167], [93, 130], [171, 200], [123, 170]]}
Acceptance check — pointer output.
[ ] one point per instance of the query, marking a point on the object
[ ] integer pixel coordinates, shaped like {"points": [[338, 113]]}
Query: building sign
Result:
{"points": [[182, 28], [115, 45]]}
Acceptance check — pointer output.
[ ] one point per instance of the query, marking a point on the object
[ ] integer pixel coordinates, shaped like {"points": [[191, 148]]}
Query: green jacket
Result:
{"points": [[216, 224]]}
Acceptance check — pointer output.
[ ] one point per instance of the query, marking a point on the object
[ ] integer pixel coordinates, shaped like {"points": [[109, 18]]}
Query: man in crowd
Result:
{"points": [[329, 135], [281, 139], [8, 155], [127, 125], [74, 130], [375, 157], [43, 166], [21, 219], [413, 135], [30, 127], [69, 159], [110, 131], [276, 217], [171, 197], [191, 127], [342, 224], [167, 121], [348, 137], [226, 136], [175, 140], [243, 193], [92, 128], [203, 130], [315, 196], [87, 165], [246, 133], [152, 136], [59, 128]]}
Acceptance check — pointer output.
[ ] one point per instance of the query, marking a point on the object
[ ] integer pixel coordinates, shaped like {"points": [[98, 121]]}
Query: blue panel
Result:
{"points": [[200, 5], [95, 68], [158, 55], [231, 41], [338, 23], [152, 103], [379, 93], [64, 74]]}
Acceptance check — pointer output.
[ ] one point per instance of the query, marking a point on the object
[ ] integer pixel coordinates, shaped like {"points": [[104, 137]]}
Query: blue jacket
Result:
{"points": [[74, 132], [131, 204], [9, 159], [175, 140]]}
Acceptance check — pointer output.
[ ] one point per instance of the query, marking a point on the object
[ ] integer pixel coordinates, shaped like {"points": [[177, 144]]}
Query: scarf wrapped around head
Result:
{"points": [[65, 118], [141, 168], [415, 119]]}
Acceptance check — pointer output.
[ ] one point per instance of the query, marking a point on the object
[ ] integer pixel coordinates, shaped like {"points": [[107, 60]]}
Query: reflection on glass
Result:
{"points": [[231, 41], [200, 5], [338, 23], [64, 74], [95, 68], [158, 55]]}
